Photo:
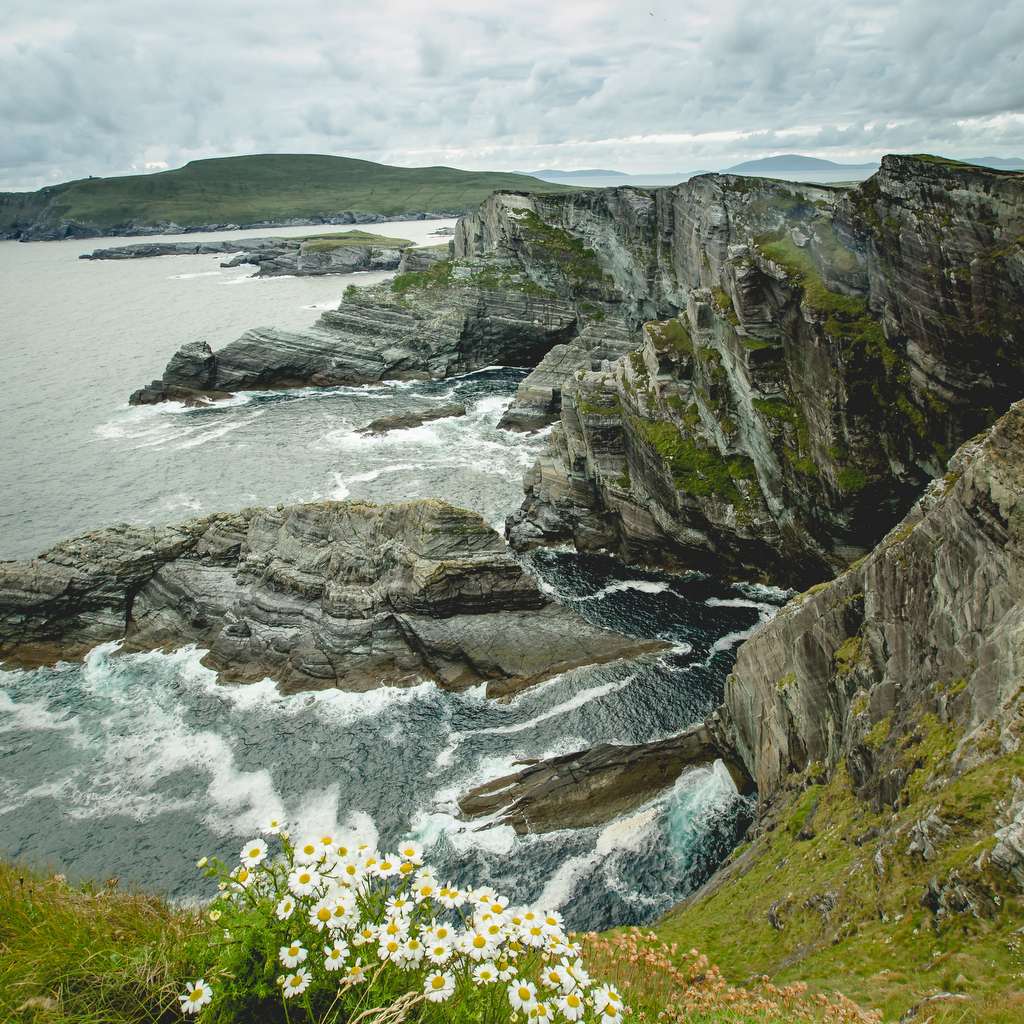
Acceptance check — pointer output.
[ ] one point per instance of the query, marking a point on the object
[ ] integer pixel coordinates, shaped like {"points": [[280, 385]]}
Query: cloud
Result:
{"points": [[112, 86]]}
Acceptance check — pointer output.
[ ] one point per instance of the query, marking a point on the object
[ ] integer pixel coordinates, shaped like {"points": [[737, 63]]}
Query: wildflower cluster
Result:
{"points": [[674, 987], [332, 929]]}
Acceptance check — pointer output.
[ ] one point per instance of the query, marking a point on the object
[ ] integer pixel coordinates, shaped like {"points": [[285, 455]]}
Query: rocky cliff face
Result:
{"points": [[816, 356], [930, 623], [332, 594], [882, 717]]}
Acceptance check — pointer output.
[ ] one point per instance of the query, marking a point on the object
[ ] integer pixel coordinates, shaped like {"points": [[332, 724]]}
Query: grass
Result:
{"points": [[350, 239], [89, 955], [888, 949], [249, 189]]}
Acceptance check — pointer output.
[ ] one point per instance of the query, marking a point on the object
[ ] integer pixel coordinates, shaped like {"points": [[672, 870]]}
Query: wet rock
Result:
{"points": [[408, 420], [593, 786], [329, 594]]}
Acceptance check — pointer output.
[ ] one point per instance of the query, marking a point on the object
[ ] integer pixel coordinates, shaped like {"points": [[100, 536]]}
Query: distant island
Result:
{"points": [[795, 162], [263, 190]]}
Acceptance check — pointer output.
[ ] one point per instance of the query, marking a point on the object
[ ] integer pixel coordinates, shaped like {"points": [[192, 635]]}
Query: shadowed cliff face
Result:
{"points": [[329, 594], [831, 349]]}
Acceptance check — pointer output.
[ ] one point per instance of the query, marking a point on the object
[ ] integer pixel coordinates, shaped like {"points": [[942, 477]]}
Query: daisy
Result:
{"points": [[572, 1006], [356, 974], [406, 868], [523, 996], [438, 987], [243, 877], [605, 996], [253, 853], [386, 867], [577, 971], [308, 851], [506, 970], [293, 955], [399, 906], [485, 973], [534, 935], [196, 996], [440, 932], [424, 889], [497, 905], [390, 948], [336, 955], [542, 1012], [365, 935], [411, 852], [297, 983], [477, 946], [557, 977], [350, 872], [449, 897], [396, 928], [273, 827], [439, 953], [284, 908], [413, 952], [303, 881], [321, 914]]}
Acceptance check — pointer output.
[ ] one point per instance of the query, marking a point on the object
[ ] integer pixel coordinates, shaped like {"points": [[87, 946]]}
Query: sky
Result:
{"points": [[122, 86]]}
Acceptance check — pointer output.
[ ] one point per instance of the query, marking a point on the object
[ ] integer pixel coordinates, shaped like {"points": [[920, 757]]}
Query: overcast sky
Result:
{"points": [[116, 86]]}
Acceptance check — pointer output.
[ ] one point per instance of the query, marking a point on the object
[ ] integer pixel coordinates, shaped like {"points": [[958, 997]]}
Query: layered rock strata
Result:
{"points": [[331, 594], [273, 257], [593, 786]]}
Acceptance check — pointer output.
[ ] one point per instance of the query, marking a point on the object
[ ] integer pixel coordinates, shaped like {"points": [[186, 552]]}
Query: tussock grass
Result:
{"points": [[90, 954]]}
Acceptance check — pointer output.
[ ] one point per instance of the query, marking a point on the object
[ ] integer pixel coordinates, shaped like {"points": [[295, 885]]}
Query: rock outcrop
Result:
{"points": [[749, 376], [275, 257], [437, 323], [330, 594], [812, 358], [930, 623], [408, 420], [593, 786]]}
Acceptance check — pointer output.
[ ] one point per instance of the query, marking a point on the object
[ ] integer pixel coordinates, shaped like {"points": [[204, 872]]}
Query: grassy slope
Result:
{"points": [[879, 944], [245, 189]]}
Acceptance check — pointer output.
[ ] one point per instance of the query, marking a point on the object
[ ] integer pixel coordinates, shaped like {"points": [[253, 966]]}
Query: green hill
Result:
{"points": [[249, 190]]}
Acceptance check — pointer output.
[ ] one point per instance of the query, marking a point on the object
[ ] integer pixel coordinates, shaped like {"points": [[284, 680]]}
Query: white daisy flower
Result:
{"points": [[440, 932], [336, 955], [477, 946], [253, 852], [303, 881], [365, 935], [411, 852], [387, 866], [449, 897], [506, 970], [390, 948], [557, 977], [356, 974], [605, 996], [309, 851], [295, 984], [424, 889], [413, 952], [242, 877], [572, 1006], [285, 908], [395, 928], [553, 920], [497, 906], [522, 995], [439, 953], [399, 906], [293, 955], [438, 987], [541, 1012], [196, 996], [577, 971], [273, 827], [485, 973], [321, 914]]}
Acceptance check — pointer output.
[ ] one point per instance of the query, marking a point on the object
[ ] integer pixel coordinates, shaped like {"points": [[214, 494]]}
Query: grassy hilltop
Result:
{"points": [[249, 189]]}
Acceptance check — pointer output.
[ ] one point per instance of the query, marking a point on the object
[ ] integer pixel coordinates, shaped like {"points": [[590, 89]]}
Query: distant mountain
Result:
{"points": [[999, 163], [261, 190], [590, 173], [794, 162]]}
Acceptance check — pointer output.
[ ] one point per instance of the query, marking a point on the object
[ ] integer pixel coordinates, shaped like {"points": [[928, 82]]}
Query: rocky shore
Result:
{"points": [[593, 786], [278, 257], [331, 594]]}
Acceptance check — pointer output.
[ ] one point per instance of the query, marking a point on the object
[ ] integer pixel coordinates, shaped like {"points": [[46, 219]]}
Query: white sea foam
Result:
{"points": [[32, 716], [642, 586]]}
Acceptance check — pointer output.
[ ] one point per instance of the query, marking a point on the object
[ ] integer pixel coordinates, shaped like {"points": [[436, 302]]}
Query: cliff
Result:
{"points": [[330, 594], [882, 717], [811, 359]]}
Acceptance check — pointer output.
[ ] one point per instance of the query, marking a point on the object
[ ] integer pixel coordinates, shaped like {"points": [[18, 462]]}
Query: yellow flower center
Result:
{"points": [[479, 942], [496, 908], [243, 874], [195, 995], [305, 878], [524, 992], [295, 980], [255, 851], [323, 914], [572, 1000], [326, 840], [309, 849], [437, 981], [611, 1010], [407, 868], [293, 950]]}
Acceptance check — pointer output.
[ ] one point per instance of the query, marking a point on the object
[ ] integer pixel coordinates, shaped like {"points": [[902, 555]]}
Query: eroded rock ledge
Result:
{"points": [[329, 594], [593, 786]]}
